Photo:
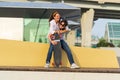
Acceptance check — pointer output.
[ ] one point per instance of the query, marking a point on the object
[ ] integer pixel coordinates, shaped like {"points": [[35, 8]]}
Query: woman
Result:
{"points": [[60, 28]]}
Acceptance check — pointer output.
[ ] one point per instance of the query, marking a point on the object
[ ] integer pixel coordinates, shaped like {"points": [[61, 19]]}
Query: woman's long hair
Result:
{"points": [[53, 15]]}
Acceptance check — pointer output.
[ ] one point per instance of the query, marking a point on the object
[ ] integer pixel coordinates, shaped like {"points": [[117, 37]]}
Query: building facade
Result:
{"points": [[112, 33], [28, 21]]}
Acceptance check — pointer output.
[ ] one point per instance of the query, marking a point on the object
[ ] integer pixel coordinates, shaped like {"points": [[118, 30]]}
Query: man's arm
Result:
{"points": [[63, 31]]}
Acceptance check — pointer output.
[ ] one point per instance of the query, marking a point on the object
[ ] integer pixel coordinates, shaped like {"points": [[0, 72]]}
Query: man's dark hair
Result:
{"points": [[64, 20]]}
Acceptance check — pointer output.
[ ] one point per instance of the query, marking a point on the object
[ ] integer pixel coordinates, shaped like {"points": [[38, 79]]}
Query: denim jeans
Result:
{"points": [[65, 47], [49, 55]]}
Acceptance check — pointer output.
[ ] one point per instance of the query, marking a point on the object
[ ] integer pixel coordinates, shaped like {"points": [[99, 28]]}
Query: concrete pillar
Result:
{"points": [[71, 37], [86, 27]]}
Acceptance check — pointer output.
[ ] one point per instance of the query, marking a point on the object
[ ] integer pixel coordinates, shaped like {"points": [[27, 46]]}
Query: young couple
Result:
{"points": [[59, 26]]}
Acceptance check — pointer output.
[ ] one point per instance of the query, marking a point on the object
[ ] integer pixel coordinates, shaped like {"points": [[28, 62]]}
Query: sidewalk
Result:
{"points": [[33, 75]]}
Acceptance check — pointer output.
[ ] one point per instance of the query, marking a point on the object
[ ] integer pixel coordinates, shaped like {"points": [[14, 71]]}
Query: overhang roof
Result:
{"points": [[36, 5]]}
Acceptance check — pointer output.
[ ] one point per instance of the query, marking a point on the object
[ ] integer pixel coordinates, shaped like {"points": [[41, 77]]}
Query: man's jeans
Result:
{"points": [[65, 47]]}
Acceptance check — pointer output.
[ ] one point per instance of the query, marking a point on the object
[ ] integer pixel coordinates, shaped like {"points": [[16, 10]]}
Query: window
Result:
{"points": [[36, 30]]}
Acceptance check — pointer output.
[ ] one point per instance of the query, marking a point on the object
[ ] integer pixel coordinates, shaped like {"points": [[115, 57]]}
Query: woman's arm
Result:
{"points": [[50, 39]]}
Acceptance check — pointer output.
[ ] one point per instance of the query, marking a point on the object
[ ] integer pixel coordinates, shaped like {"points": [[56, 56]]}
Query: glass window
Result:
{"points": [[35, 30]]}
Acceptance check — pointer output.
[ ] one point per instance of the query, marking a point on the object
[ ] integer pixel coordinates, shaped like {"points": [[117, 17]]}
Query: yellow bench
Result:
{"points": [[18, 53]]}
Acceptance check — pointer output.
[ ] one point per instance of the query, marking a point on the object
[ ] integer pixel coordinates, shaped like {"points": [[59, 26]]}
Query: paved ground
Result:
{"points": [[40, 75]]}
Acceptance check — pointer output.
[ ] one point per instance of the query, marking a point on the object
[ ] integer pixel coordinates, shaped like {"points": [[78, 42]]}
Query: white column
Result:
{"points": [[86, 27], [71, 37]]}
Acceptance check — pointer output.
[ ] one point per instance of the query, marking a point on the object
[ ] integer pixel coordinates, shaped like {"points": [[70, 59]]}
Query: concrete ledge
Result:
{"points": [[42, 69]]}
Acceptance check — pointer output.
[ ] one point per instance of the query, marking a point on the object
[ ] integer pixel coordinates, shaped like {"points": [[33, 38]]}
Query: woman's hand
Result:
{"points": [[54, 42]]}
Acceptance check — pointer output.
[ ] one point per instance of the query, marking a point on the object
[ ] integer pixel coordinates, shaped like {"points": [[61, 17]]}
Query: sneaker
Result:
{"points": [[74, 66], [47, 65]]}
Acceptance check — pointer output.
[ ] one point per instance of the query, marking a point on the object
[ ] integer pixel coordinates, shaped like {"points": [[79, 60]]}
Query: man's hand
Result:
{"points": [[58, 31], [63, 31]]}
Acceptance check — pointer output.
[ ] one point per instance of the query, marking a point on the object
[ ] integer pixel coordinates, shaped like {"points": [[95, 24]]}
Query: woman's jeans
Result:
{"points": [[65, 47]]}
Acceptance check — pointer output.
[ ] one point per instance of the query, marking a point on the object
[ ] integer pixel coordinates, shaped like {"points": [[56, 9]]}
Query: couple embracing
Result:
{"points": [[60, 27]]}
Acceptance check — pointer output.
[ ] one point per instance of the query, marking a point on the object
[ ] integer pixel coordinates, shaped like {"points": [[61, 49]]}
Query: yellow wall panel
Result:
{"points": [[95, 58], [18, 53]]}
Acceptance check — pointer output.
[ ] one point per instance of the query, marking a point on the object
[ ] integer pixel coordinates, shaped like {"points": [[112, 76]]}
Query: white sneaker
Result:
{"points": [[74, 66], [47, 65]]}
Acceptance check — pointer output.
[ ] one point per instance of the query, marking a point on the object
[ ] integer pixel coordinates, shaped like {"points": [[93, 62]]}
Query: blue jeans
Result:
{"points": [[65, 47], [49, 55]]}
